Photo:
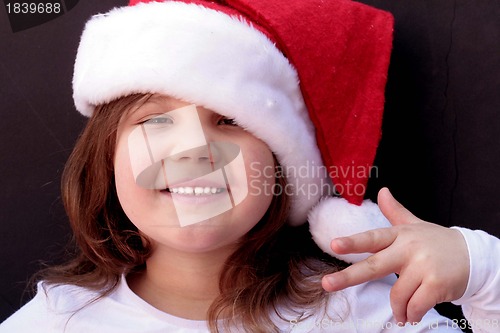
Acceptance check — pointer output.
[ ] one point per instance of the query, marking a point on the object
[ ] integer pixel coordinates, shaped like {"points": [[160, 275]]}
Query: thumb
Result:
{"points": [[396, 213]]}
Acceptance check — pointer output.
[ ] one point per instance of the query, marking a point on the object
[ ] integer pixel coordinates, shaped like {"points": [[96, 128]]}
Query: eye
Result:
{"points": [[226, 121], [159, 120]]}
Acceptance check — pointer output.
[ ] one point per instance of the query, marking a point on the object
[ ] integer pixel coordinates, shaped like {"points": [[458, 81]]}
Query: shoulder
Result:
{"points": [[66, 298], [49, 310], [68, 308]]}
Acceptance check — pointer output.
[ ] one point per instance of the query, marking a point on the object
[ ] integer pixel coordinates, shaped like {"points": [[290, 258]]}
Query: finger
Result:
{"points": [[396, 213], [369, 241], [401, 293], [420, 303], [374, 267]]}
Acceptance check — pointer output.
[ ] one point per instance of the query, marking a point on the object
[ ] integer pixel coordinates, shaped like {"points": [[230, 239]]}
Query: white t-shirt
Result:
{"points": [[364, 308]]}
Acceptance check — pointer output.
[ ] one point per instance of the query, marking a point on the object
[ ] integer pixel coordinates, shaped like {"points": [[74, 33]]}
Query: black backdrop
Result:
{"points": [[439, 154]]}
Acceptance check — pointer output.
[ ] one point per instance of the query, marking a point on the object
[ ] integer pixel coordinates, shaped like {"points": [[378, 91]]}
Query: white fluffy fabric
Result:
{"points": [[335, 217], [208, 58]]}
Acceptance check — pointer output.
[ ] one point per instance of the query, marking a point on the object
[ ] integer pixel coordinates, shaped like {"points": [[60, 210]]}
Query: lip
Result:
{"points": [[193, 200], [197, 183]]}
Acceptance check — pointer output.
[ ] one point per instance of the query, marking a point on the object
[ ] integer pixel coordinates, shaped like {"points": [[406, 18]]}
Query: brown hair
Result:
{"points": [[275, 266]]}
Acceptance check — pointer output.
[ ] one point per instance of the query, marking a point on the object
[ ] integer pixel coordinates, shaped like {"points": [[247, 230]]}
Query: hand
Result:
{"points": [[432, 261]]}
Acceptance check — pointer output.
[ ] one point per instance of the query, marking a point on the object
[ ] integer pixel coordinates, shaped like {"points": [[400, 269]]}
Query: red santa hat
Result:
{"points": [[306, 77]]}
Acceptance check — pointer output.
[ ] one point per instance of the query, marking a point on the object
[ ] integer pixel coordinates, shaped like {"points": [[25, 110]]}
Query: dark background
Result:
{"points": [[440, 151]]}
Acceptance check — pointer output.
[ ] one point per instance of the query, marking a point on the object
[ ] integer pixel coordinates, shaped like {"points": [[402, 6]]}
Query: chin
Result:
{"points": [[202, 237]]}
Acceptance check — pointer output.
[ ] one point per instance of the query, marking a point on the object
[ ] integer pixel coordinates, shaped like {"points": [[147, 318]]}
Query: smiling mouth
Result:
{"points": [[195, 191]]}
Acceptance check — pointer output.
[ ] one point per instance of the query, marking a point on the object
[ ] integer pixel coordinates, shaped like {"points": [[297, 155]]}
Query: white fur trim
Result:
{"points": [[208, 58], [335, 217]]}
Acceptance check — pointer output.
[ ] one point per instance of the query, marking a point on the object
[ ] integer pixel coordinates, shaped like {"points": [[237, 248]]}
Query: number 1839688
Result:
{"points": [[33, 8]]}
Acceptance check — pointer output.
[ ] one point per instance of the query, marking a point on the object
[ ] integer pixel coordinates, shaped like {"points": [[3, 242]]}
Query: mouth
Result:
{"points": [[195, 190]]}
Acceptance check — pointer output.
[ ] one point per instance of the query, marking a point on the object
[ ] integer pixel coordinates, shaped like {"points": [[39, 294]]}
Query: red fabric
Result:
{"points": [[341, 50]]}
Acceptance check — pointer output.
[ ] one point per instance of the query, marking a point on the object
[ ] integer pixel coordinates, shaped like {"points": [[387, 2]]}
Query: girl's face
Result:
{"points": [[189, 178]]}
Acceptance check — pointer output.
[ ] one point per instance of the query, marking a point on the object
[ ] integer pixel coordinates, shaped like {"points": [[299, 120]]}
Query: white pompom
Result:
{"points": [[335, 217]]}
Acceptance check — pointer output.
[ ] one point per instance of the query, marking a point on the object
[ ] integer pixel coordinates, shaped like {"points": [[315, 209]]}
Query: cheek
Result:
{"points": [[122, 169], [259, 165], [129, 195], [261, 173], [123, 181]]}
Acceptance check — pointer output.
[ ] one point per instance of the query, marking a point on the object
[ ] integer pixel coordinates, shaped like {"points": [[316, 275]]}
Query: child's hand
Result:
{"points": [[432, 261]]}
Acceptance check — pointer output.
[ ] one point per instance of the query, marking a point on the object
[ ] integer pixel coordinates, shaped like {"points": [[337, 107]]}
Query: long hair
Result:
{"points": [[106, 243], [275, 272], [275, 266]]}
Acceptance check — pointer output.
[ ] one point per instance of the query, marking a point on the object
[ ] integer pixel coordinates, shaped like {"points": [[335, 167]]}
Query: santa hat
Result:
{"points": [[306, 77]]}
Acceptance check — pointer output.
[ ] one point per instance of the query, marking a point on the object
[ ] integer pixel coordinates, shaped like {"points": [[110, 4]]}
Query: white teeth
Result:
{"points": [[198, 190]]}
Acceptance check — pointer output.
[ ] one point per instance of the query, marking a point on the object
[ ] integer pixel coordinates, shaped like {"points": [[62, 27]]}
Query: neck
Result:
{"points": [[182, 284]]}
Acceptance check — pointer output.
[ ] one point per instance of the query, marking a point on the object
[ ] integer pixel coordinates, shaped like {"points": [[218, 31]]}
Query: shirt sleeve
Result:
{"points": [[481, 300]]}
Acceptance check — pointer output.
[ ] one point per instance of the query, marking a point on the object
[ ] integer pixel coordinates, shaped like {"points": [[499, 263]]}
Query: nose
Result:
{"points": [[201, 154]]}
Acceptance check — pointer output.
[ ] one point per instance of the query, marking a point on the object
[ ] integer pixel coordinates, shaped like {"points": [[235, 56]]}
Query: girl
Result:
{"points": [[202, 151]]}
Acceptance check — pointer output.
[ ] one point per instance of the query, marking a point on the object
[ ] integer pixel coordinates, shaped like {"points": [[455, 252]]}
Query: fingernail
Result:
{"points": [[340, 243], [331, 281], [390, 193]]}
